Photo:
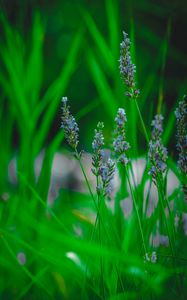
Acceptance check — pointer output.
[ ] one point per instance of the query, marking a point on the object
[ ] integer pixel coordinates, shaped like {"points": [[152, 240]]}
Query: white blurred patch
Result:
{"points": [[5, 196], [12, 171], [66, 173], [184, 219], [138, 167], [74, 258], [126, 206]]}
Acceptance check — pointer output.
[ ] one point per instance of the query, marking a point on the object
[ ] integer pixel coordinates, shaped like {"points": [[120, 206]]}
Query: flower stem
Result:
{"points": [[137, 213], [142, 121]]}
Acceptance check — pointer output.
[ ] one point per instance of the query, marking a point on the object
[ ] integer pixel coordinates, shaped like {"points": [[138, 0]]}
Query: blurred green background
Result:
{"points": [[50, 49], [82, 39]]}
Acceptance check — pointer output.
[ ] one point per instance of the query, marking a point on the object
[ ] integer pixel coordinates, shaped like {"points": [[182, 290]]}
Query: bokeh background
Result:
{"points": [[50, 49], [92, 30]]}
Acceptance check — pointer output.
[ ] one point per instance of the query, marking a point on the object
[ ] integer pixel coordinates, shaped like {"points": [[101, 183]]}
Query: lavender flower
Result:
{"points": [[157, 152], [181, 116], [184, 220], [157, 125], [163, 240], [103, 168], [69, 125], [151, 257], [120, 144], [106, 172], [97, 145], [127, 68]]}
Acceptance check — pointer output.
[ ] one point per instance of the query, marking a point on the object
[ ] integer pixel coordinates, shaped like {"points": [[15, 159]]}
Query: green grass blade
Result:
{"points": [[34, 68], [53, 95], [99, 41], [103, 87], [113, 25]]}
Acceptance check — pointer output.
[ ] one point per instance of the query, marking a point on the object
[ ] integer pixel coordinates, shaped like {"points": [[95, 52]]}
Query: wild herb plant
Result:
{"points": [[103, 168], [102, 244], [181, 118]]}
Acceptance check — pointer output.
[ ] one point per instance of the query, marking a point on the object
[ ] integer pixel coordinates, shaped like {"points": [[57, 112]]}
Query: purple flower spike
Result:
{"points": [[181, 117], [127, 68], [157, 152], [120, 144], [69, 125]]}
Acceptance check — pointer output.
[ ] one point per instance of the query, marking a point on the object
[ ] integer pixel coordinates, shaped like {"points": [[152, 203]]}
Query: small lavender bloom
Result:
{"points": [[157, 152], [153, 257], [123, 159], [103, 171], [184, 220], [97, 145], [106, 172], [103, 168], [157, 125], [121, 117], [127, 68], [21, 258], [164, 240], [69, 125], [120, 144], [181, 116], [98, 141]]}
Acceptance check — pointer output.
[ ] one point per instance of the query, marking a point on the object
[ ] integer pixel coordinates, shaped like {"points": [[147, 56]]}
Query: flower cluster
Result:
{"points": [[181, 117], [127, 68], [151, 257], [157, 125], [103, 168], [69, 125], [106, 172], [97, 146], [157, 152], [120, 144]]}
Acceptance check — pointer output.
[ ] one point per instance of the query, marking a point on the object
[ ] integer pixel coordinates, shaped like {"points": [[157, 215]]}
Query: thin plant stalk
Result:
{"points": [[100, 242], [78, 157], [137, 213], [142, 121], [98, 216], [169, 210], [174, 255], [161, 185]]}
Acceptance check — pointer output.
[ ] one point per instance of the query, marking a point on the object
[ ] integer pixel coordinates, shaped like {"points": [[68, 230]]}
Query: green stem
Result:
{"points": [[98, 217], [163, 200], [170, 213], [173, 252], [167, 228], [100, 243], [137, 213], [85, 176], [142, 121]]}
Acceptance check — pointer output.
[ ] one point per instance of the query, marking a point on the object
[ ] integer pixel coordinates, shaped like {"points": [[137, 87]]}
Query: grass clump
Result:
{"points": [[106, 230]]}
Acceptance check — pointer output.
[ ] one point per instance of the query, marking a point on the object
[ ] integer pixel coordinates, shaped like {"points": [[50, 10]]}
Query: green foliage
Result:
{"points": [[77, 247]]}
